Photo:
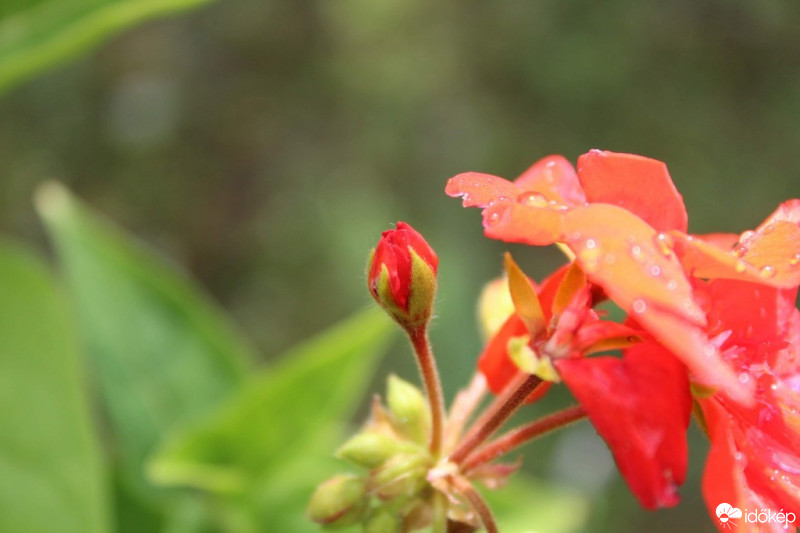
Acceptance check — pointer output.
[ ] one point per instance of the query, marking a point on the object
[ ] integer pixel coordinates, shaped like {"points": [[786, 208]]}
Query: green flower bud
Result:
{"points": [[339, 502], [402, 475], [369, 449], [382, 522], [410, 408]]}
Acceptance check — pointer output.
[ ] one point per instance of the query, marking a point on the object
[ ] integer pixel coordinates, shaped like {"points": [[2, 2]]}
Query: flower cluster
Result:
{"points": [[710, 328]]}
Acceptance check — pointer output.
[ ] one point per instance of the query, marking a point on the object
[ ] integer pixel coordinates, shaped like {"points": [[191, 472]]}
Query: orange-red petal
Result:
{"points": [[640, 405], [555, 179], [639, 184], [480, 190]]}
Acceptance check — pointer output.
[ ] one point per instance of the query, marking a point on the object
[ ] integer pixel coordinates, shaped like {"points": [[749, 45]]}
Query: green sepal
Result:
{"points": [[410, 409], [339, 502]]}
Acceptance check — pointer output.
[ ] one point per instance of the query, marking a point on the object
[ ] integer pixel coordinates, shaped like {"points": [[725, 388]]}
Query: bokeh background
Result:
{"points": [[263, 147]]}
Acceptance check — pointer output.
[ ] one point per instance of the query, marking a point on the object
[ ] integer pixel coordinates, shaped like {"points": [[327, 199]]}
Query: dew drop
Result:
{"points": [[774, 386], [744, 377], [672, 284], [589, 258], [746, 235], [575, 236], [655, 270], [533, 199], [664, 244], [740, 267], [591, 244], [493, 218], [639, 306], [768, 229], [767, 271], [794, 261]]}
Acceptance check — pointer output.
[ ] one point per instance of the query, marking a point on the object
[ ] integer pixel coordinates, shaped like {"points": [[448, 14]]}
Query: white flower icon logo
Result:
{"points": [[726, 512]]}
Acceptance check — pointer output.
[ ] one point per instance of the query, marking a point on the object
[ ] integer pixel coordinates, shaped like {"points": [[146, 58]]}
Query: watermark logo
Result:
{"points": [[728, 516]]}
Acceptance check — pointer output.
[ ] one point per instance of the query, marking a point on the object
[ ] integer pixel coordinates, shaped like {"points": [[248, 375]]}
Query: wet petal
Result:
{"points": [[520, 222], [555, 178], [639, 184], [480, 190], [623, 254], [640, 405]]}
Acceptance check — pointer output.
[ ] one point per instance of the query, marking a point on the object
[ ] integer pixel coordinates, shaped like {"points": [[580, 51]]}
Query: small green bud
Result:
{"points": [[382, 522], [339, 502], [402, 475], [369, 449], [410, 409]]}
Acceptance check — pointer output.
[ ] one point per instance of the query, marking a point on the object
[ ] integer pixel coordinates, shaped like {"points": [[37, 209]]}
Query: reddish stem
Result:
{"points": [[521, 435], [477, 502], [433, 387], [495, 416]]}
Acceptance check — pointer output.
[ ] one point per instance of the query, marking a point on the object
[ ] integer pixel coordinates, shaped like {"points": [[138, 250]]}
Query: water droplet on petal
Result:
{"points": [[767, 271], [746, 235], [533, 199], [639, 306], [672, 284], [589, 258], [655, 270], [493, 218], [591, 244], [664, 244], [794, 261], [740, 267], [768, 229]]}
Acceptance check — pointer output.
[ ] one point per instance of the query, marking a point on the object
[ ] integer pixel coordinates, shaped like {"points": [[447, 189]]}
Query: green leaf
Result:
{"points": [[526, 504], [35, 34], [51, 473], [282, 419], [160, 352]]}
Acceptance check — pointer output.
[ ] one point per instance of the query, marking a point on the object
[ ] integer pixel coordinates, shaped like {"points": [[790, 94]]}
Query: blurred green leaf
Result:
{"points": [[527, 505], [274, 440], [161, 353], [51, 474], [35, 34]]}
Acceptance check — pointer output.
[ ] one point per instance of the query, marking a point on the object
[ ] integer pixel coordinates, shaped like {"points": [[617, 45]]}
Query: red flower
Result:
{"points": [[621, 239], [753, 462], [402, 275], [640, 404]]}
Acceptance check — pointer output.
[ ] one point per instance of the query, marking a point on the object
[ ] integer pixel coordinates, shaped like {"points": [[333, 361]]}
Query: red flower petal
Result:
{"points": [[480, 190], [640, 405], [639, 184], [555, 179], [520, 222], [494, 363]]}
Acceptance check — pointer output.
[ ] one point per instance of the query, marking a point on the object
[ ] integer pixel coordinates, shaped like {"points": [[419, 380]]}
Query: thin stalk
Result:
{"points": [[521, 435], [439, 513], [467, 400], [433, 387], [496, 415], [477, 502]]}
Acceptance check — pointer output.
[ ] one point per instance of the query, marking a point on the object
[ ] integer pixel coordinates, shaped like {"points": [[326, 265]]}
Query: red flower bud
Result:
{"points": [[402, 275]]}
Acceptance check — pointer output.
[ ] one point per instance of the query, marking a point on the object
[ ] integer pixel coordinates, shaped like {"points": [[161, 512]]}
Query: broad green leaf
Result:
{"points": [[35, 34], [160, 352], [529, 505], [281, 420], [51, 472]]}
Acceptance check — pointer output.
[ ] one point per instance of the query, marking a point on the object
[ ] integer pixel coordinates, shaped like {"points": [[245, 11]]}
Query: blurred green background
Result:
{"points": [[263, 147]]}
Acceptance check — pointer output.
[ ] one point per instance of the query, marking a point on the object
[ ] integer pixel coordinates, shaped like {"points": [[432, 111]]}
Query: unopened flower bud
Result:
{"points": [[382, 522], [370, 449], [339, 502], [410, 409], [402, 276], [402, 475]]}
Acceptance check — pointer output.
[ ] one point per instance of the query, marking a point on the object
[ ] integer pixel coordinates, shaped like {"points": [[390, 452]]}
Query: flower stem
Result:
{"points": [[439, 513], [467, 400], [521, 435], [477, 502], [496, 414], [433, 387]]}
